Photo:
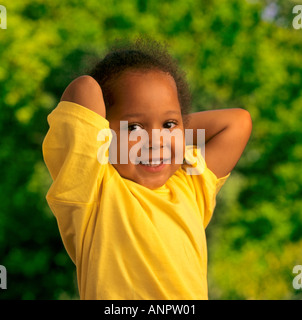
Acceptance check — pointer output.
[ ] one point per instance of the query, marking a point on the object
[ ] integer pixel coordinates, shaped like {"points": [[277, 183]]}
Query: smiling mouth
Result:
{"points": [[153, 167], [152, 164]]}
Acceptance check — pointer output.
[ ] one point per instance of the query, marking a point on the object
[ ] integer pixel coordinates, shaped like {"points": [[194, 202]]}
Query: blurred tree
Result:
{"points": [[237, 53]]}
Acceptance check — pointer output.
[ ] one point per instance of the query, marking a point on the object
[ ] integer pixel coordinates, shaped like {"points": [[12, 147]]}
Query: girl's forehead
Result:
{"points": [[144, 94], [136, 77], [148, 86]]}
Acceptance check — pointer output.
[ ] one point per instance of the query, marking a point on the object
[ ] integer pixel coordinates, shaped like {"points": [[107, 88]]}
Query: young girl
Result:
{"points": [[136, 229]]}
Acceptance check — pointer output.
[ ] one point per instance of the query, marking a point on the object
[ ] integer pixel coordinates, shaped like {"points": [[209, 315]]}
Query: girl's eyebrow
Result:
{"points": [[137, 115]]}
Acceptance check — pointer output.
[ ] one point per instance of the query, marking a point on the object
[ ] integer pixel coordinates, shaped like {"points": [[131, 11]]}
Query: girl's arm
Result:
{"points": [[86, 92], [70, 150], [227, 132]]}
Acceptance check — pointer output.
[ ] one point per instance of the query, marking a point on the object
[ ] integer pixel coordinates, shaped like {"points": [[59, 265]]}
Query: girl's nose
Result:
{"points": [[155, 140]]}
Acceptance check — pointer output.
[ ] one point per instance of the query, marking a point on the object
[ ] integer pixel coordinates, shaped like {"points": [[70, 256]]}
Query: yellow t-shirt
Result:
{"points": [[128, 242]]}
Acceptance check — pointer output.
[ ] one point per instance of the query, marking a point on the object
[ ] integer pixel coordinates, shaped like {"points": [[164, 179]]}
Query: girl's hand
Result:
{"points": [[227, 132]]}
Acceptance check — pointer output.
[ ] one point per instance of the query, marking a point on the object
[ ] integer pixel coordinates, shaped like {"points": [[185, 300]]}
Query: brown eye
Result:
{"points": [[134, 127], [170, 124]]}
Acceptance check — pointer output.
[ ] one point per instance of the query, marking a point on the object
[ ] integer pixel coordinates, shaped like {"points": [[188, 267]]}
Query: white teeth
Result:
{"points": [[153, 163]]}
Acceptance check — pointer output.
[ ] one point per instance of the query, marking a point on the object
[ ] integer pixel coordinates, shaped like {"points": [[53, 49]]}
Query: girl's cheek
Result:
{"points": [[133, 151]]}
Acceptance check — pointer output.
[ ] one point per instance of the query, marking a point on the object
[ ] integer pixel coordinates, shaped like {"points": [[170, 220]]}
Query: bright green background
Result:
{"points": [[236, 53]]}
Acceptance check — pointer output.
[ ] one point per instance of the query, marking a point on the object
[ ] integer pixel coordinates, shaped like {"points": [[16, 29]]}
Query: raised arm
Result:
{"points": [[86, 92], [227, 132], [70, 150]]}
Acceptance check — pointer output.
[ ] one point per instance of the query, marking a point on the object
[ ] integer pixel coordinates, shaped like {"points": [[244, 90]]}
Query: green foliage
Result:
{"points": [[236, 54]]}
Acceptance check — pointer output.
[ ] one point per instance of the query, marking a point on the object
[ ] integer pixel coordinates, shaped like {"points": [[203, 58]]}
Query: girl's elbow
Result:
{"points": [[245, 121]]}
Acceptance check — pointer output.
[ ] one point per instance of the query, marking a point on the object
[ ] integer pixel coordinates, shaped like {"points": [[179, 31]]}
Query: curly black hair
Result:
{"points": [[143, 54]]}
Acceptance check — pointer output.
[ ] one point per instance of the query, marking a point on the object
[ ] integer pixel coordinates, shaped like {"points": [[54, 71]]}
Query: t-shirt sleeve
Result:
{"points": [[72, 152], [205, 183], [75, 151]]}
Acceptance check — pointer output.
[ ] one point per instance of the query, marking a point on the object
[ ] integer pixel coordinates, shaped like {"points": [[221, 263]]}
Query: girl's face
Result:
{"points": [[147, 101]]}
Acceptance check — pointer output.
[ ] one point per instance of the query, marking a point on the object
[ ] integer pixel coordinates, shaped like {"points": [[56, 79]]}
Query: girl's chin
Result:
{"points": [[149, 177]]}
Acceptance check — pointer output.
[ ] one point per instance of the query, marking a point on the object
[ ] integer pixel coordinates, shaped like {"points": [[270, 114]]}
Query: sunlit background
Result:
{"points": [[236, 53]]}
